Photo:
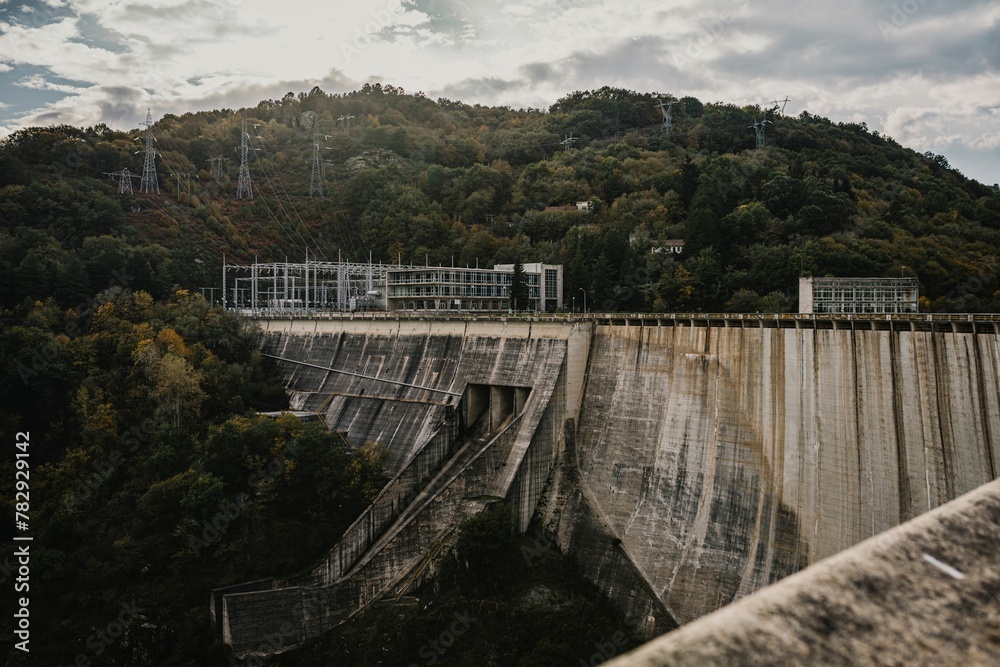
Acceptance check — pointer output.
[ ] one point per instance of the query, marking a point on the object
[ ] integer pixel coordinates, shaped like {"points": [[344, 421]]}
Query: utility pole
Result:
{"points": [[245, 188], [569, 141], [149, 182], [316, 177], [223, 281], [758, 127], [346, 120]]}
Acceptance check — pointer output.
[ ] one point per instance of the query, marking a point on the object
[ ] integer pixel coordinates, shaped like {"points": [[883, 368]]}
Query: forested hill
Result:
{"points": [[441, 181]]}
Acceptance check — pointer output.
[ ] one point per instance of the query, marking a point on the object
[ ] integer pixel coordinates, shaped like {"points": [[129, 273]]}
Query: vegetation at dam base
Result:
{"points": [[499, 601], [442, 182], [153, 482]]}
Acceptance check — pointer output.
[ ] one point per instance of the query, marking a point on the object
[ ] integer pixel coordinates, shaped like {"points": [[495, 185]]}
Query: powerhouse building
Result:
{"points": [[437, 289], [849, 296]]}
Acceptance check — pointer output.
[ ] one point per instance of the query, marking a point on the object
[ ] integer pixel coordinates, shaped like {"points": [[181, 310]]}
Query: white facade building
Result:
{"points": [[443, 289], [849, 296]]}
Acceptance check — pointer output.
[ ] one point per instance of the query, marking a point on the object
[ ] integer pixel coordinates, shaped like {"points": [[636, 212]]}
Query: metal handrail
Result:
{"points": [[312, 314]]}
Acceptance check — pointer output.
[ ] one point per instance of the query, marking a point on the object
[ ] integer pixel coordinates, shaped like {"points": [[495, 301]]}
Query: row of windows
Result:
{"points": [[453, 304], [449, 290], [867, 295], [464, 277], [397, 291], [455, 277], [868, 308]]}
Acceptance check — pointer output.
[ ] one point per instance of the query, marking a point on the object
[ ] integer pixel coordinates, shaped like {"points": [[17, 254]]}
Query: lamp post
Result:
{"points": [[584, 300]]}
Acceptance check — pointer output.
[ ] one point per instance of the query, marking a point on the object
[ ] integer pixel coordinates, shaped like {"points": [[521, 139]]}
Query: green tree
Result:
{"points": [[519, 295]]}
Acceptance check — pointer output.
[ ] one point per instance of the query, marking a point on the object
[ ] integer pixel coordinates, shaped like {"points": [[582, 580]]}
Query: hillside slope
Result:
{"points": [[409, 178]]}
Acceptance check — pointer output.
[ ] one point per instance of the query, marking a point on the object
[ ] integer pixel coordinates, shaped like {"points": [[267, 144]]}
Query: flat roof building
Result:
{"points": [[437, 289], [850, 296]]}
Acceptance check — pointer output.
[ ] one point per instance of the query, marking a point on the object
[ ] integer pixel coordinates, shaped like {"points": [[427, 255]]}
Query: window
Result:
{"points": [[551, 283]]}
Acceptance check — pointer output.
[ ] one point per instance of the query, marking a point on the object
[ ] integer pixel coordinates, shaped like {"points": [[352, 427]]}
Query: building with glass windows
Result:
{"points": [[443, 289], [850, 296]]}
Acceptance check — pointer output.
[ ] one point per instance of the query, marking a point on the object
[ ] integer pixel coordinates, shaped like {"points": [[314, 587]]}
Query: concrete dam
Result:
{"points": [[685, 461]]}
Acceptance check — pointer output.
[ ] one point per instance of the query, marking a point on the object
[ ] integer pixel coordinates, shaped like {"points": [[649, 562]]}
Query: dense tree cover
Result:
{"points": [[440, 181], [499, 599], [152, 481]]}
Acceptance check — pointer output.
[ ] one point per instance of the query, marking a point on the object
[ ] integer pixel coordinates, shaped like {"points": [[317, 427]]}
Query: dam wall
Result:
{"points": [[684, 461], [445, 356], [448, 458], [721, 459]]}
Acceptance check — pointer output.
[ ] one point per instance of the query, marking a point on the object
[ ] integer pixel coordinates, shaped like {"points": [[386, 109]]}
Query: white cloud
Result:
{"points": [[37, 82]]}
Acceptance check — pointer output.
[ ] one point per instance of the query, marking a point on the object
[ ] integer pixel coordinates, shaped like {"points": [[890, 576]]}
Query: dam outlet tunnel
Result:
{"points": [[485, 407]]}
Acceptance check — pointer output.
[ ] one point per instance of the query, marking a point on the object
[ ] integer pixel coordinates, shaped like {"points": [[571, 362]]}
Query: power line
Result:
{"points": [[269, 162], [361, 375]]}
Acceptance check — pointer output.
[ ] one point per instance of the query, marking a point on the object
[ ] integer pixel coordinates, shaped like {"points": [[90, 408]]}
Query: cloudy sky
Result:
{"points": [[926, 72]]}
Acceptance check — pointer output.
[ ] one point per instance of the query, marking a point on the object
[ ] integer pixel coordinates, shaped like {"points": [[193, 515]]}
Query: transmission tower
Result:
{"points": [[124, 177], [569, 141], [149, 183], [667, 111], [346, 120], [316, 177], [216, 164], [245, 188], [758, 127], [779, 105]]}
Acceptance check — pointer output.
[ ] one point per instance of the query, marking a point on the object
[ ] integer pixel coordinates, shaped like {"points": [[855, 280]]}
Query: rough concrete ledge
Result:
{"points": [[924, 593]]}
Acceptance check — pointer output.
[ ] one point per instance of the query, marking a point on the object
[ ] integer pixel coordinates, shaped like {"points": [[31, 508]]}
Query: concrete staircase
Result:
{"points": [[387, 551]]}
